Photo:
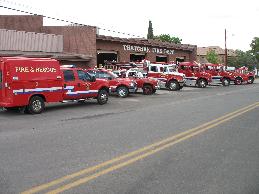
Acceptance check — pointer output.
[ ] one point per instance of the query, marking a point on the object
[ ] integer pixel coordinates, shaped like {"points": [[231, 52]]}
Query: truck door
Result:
{"points": [[86, 87], [73, 86], [153, 71]]}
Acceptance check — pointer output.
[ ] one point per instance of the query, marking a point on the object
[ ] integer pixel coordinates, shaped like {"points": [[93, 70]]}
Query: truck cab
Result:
{"points": [[148, 85], [194, 75], [168, 79]]}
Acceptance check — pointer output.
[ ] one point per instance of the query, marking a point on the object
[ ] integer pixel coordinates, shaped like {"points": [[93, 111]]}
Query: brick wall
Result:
{"points": [[28, 23], [77, 39]]}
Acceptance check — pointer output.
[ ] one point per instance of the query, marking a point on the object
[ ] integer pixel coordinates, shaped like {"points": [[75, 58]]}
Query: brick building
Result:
{"points": [[82, 45], [132, 50], [202, 52]]}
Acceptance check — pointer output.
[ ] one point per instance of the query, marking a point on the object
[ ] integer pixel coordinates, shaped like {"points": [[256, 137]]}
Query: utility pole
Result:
{"points": [[226, 51]]}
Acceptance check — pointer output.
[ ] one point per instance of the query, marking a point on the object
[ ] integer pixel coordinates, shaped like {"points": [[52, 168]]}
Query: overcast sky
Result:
{"points": [[198, 22]]}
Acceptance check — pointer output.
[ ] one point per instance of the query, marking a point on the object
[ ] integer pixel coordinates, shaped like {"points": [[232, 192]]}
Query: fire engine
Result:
{"points": [[219, 75], [148, 85], [194, 75], [121, 86], [29, 83], [238, 77], [168, 78], [250, 74]]}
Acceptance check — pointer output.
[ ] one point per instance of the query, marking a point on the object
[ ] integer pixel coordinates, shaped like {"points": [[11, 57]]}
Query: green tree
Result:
{"points": [[168, 38], [150, 34], [212, 57], [255, 48], [242, 59]]}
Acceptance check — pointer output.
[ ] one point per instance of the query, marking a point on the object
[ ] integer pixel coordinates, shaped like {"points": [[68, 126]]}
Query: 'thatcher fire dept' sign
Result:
{"points": [[148, 49]]}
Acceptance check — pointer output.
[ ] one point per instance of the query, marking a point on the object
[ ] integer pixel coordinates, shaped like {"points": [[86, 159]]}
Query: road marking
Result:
{"points": [[135, 155]]}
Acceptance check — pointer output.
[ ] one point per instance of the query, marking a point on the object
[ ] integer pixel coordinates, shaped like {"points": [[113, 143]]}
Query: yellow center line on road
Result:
{"points": [[146, 154], [134, 153]]}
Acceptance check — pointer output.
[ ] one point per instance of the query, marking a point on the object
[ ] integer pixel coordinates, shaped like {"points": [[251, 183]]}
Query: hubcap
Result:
{"points": [[203, 84], [239, 81], [36, 105], [147, 90], [122, 92], [103, 97], [172, 85], [226, 82]]}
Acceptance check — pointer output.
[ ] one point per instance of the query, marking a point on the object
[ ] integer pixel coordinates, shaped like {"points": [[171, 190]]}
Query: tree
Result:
{"points": [[242, 59], [212, 57], [168, 38], [255, 48], [150, 34]]}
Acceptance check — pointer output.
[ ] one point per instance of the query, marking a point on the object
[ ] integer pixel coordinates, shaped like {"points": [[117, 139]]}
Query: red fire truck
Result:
{"points": [[29, 83], [194, 75], [148, 85], [250, 74], [219, 75], [168, 78]]}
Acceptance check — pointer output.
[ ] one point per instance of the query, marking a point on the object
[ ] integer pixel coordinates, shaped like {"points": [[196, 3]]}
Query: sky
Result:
{"points": [[196, 22]]}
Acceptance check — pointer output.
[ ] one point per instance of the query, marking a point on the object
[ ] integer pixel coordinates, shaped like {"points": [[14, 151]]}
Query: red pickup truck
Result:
{"points": [[29, 83], [121, 86]]}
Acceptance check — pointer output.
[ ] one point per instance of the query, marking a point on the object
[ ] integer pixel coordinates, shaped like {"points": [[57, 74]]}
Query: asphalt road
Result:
{"points": [[221, 156]]}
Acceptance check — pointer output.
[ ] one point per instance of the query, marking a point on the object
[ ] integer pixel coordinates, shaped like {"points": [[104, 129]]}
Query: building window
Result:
{"points": [[137, 57], [160, 58]]}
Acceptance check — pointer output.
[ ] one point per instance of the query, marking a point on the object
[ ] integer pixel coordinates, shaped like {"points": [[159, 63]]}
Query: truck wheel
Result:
{"points": [[250, 80], [36, 105], [102, 97], [173, 85], [225, 82], [202, 83], [238, 81], [122, 91], [147, 90]]}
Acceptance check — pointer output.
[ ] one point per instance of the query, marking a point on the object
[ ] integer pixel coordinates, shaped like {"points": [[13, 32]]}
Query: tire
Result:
{"points": [[147, 90], [102, 97], [122, 91], [251, 80], [173, 85], [202, 83], [36, 105], [238, 81], [225, 82]]}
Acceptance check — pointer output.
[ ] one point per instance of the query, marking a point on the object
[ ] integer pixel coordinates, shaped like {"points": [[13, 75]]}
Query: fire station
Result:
{"points": [[25, 35]]}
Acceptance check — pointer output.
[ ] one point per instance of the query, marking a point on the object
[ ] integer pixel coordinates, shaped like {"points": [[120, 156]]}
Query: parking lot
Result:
{"points": [[71, 137]]}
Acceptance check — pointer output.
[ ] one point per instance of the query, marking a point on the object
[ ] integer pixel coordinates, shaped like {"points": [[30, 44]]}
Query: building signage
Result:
{"points": [[148, 49]]}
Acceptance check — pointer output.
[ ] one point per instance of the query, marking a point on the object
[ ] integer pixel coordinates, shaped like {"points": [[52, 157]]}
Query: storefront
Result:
{"points": [[122, 50]]}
